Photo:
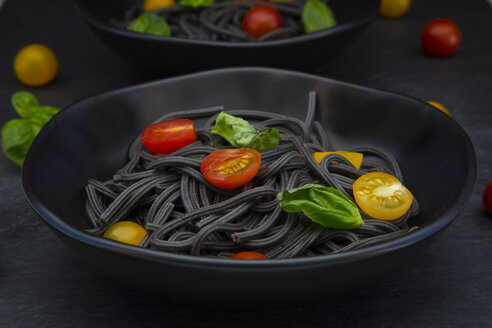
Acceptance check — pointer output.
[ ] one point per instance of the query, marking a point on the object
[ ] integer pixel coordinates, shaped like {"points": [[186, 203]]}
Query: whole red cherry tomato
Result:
{"points": [[249, 256], [440, 37], [487, 198], [231, 168], [168, 136], [260, 20]]}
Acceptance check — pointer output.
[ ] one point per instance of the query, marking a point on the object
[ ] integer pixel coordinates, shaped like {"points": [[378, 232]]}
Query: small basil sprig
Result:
{"points": [[151, 24], [196, 3], [317, 16], [18, 134], [241, 134], [324, 205]]}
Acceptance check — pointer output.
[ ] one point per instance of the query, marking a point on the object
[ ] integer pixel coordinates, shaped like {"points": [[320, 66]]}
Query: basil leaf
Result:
{"points": [[196, 3], [324, 205], [241, 134], [17, 137], [24, 103], [42, 114], [151, 24], [317, 16], [264, 140]]}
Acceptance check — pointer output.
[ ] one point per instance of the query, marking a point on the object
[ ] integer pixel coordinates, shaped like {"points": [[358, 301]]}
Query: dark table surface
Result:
{"points": [[43, 284]]}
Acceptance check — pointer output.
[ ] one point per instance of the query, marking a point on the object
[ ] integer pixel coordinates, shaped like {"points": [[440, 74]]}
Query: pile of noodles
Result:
{"points": [[183, 213], [222, 21]]}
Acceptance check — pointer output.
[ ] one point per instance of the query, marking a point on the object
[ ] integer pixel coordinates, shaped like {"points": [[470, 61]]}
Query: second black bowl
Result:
{"points": [[171, 55]]}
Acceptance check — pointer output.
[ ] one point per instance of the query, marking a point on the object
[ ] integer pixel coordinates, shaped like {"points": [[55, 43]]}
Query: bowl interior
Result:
{"points": [[90, 138]]}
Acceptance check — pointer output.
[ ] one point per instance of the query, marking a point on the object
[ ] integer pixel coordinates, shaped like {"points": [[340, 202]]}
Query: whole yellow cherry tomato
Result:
{"points": [[439, 106], [394, 8], [382, 196], [126, 232], [157, 4], [35, 65]]}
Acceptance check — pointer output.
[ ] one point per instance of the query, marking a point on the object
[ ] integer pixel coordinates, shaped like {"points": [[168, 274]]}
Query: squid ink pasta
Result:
{"points": [[183, 213], [221, 21]]}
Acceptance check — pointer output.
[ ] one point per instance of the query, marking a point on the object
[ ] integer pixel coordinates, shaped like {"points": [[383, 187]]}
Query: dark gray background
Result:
{"points": [[43, 284]]}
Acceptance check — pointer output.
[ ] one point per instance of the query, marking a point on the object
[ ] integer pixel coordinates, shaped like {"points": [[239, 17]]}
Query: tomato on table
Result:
{"points": [[487, 198], [249, 256], [231, 168], [168, 136], [440, 37], [127, 232], [260, 20], [35, 65], [382, 196], [439, 106]]}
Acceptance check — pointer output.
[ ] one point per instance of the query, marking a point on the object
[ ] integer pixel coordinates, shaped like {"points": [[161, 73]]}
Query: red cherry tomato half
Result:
{"points": [[440, 37], [260, 20], [487, 198], [249, 256], [231, 168], [168, 136]]}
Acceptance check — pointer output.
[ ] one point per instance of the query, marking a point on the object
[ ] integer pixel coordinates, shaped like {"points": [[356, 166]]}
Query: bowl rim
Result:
{"points": [[97, 23], [448, 216]]}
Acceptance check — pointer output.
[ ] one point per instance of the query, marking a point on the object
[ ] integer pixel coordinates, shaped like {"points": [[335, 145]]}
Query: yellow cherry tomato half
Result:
{"points": [[149, 5], [382, 196], [35, 65], [354, 158], [439, 106], [394, 8], [127, 232]]}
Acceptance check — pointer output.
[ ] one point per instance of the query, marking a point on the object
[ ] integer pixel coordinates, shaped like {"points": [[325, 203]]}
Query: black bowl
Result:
{"points": [[171, 55], [91, 137]]}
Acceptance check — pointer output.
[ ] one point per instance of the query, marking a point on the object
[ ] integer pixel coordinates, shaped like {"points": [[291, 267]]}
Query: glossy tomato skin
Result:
{"points": [[260, 20], [168, 136], [231, 168], [487, 198], [249, 256], [440, 37]]}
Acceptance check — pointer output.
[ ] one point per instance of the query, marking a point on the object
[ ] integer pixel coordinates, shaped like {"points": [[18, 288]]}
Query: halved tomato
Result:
{"points": [[382, 196], [168, 136], [249, 256], [231, 168], [127, 232]]}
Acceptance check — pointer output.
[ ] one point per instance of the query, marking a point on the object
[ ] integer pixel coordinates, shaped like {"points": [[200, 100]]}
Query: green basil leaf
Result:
{"points": [[196, 3], [264, 140], [151, 24], [24, 103], [241, 134], [17, 137], [317, 16], [42, 114], [324, 205]]}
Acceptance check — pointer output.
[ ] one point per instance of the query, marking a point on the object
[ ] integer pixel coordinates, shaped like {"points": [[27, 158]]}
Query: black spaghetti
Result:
{"points": [[222, 21], [183, 213]]}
